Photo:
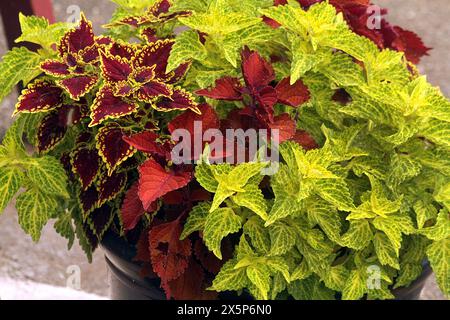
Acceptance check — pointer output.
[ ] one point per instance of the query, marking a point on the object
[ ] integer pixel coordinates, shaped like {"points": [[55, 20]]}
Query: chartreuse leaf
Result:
{"points": [[11, 179], [35, 208], [220, 223], [439, 255], [230, 278], [326, 216], [48, 174], [259, 235], [437, 131], [134, 5], [18, 65], [310, 289], [336, 277], [358, 235], [259, 276], [336, 192], [302, 271], [196, 219], [64, 226], [187, 47], [441, 229], [356, 285], [253, 199], [403, 168], [38, 30], [282, 238], [386, 252], [424, 211], [394, 227]]}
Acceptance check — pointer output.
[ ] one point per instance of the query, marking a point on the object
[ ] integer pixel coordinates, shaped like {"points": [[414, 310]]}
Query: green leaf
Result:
{"points": [[394, 226], [282, 238], [310, 289], [402, 169], [439, 255], [386, 252], [259, 275], [355, 287], [358, 235], [441, 229], [326, 216], [437, 131], [18, 65], [407, 274], [336, 277], [196, 219], [424, 212], [65, 228], [230, 278], [259, 235], [35, 208], [48, 174], [187, 47], [336, 192], [11, 179], [301, 272], [218, 225], [253, 199], [38, 30]]}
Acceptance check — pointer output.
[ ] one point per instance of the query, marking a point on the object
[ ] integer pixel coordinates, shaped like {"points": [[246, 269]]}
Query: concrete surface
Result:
{"points": [[50, 263]]}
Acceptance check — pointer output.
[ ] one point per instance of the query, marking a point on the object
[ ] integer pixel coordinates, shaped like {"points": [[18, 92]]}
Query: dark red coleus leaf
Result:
{"points": [[132, 209], [170, 256], [115, 68], [257, 72], [190, 285], [123, 50], [112, 148], [150, 142], [100, 219], [155, 181], [227, 88], [149, 35], [38, 97], [55, 68], [153, 89], [78, 86], [155, 54], [208, 260], [50, 132], [110, 186], [107, 105], [179, 100], [78, 38], [86, 165], [304, 139], [88, 200], [292, 95], [286, 126]]}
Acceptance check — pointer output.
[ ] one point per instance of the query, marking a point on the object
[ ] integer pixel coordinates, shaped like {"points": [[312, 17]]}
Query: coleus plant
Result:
{"points": [[362, 181]]}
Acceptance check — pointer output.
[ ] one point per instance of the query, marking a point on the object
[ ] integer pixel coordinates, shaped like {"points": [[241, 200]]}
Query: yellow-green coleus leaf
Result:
{"points": [[355, 286], [18, 65], [402, 168], [34, 209], [358, 235], [336, 192], [282, 238], [302, 271], [336, 277], [11, 179], [439, 255], [230, 278], [196, 219], [259, 235], [394, 226], [259, 276], [220, 223], [437, 131], [38, 30], [440, 230], [310, 289], [424, 211], [187, 47], [326, 216], [48, 174], [253, 199], [385, 250]]}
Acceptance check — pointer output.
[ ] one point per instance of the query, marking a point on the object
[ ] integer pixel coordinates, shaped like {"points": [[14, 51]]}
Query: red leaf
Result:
{"points": [[78, 86], [86, 165], [285, 125], [55, 68], [208, 260], [132, 209], [170, 256], [177, 74], [100, 219], [149, 35], [155, 181], [50, 132], [292, 95], [147, 141], [226, 88], [110, 186], [112, 148], [114, 68], [410, 43], [155, 54], [256, 70], [154, 89], [267, 97], [208, 119], [106, 105], [38, 97], [88, 200], [304, 139], [180, 100], [123, 50], [191, 285], [78, 38]]}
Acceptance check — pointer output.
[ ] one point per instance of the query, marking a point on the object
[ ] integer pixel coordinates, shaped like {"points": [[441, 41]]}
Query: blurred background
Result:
{"points": [[23, 263]]}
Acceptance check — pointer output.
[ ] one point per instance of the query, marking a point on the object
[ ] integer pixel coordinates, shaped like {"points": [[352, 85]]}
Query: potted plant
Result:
{"points": [[141, 140]]}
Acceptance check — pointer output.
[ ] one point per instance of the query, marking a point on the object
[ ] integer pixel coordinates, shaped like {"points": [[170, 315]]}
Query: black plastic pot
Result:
{"points": [[126, 283]]}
